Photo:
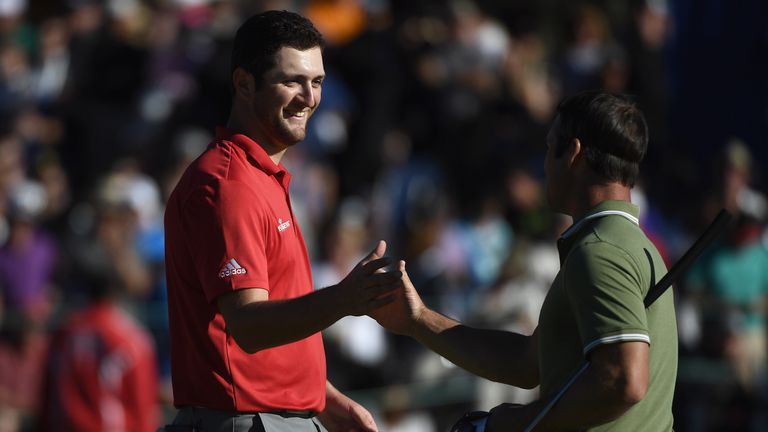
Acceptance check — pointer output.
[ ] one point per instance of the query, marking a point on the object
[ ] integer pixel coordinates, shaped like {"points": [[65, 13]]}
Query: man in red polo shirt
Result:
{"points": [[245, 343]]}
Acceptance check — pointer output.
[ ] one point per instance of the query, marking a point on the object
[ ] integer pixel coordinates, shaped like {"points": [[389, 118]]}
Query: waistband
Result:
{"points": [[294, 413], [285, 413]]}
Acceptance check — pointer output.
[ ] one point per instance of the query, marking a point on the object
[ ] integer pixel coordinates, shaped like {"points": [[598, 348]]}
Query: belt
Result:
{"points": [[294, 413], [285, 413]]}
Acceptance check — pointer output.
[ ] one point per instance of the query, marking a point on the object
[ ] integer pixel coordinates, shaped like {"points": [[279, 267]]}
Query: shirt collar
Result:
{"points": [[619, 208], [259, 157]]}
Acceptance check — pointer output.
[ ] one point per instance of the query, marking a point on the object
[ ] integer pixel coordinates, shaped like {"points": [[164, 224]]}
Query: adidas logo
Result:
{"points": [[282, 226], [232, 268]]}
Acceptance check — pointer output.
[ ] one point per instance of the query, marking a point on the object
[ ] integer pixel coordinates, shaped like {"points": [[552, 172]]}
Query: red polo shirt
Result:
{"points": [[229, 226]]}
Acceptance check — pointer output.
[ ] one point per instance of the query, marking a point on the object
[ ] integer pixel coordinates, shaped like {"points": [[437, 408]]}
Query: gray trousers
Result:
{"points": [[193, 419]]}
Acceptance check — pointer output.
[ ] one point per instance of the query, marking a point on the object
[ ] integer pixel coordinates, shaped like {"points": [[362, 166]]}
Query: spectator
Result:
{"points": [[102, 372]]}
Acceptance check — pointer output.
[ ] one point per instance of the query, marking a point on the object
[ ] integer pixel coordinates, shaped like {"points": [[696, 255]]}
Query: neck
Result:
{"points": [[597, 193], [237, 123]]}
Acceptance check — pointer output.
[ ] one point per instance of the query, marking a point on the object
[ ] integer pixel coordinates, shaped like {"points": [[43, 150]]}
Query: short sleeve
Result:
{"points": [[225, 223], [604, 289]]}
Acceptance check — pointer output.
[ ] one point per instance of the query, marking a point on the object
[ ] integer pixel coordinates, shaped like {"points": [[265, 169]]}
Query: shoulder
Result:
{"points": [[221, 161], [214, 191], [594, 251], [602, 262]]}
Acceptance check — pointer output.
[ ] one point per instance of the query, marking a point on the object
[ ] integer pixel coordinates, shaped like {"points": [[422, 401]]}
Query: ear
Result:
{"points": [[243, 83], [573, 152]]}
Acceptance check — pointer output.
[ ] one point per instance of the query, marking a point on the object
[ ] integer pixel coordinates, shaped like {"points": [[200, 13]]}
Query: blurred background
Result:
{"points": [[430, 135]]}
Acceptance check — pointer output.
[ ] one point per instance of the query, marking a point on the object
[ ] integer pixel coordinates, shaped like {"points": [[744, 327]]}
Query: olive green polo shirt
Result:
{"points": [[607, 266]]}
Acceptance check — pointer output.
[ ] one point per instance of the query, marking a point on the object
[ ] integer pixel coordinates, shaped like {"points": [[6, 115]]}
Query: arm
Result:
{"points": [[343, 414], [256, 323], [616, 379], [497, 355], [500, 356]]}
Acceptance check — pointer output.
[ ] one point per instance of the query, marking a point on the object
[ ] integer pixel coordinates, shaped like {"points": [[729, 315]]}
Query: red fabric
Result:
{"points": [[21, 370], [102, 375], [231, 211]]}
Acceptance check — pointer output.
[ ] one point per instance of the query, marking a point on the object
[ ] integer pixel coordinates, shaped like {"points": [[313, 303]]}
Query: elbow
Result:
{"points": [[245, 340], [634, 392], [631, 391], [249, 349], [248, 346]]}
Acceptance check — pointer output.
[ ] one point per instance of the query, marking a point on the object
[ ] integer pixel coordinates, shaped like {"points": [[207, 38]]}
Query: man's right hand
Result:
{"points": [[401, 315], [368, 286]]}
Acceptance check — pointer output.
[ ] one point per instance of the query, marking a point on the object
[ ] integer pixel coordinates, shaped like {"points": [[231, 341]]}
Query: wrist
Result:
{"points": [[420, 325], [335, 302]]}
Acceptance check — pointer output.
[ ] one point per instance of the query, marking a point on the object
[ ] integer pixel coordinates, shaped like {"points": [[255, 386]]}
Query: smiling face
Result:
{"points": [[287, 96]]}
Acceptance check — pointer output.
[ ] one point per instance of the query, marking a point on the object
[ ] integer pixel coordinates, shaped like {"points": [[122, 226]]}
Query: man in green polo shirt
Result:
{"points": [[594, 309]]}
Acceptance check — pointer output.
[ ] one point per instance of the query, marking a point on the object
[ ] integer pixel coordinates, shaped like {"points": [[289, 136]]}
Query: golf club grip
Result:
{"points": [[714, 230], [681, 266]]}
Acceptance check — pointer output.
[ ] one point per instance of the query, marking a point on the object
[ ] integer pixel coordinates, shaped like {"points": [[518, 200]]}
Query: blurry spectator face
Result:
{"points": [[54, 36], [13, 62], [286, 97], [653, 26], [86, 16]]}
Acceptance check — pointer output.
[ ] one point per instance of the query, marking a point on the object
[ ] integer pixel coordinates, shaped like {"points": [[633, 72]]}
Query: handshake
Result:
{"points": [[389, 297], [386, 295]]}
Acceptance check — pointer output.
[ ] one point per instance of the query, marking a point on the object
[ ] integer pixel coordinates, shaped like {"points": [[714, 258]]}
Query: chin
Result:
{"points": [[292, 137], [296, 138]]}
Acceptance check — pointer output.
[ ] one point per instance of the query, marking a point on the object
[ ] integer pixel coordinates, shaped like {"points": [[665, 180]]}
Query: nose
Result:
{"points": [[308, 95]]}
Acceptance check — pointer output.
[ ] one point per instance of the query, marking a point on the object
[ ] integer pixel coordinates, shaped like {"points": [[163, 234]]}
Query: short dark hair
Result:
{"points": [[262, 35], [612, 131]]}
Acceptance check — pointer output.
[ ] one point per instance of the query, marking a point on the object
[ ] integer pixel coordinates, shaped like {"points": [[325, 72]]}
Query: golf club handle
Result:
{"points": [[681, 266], [712, 232]]}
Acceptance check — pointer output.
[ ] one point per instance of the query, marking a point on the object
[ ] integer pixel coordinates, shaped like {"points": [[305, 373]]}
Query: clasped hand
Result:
{"points": [[369, 286]]}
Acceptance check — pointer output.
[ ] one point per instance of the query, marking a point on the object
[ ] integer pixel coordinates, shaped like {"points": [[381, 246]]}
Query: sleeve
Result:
{"points": [[227, 222], [604, 288]]}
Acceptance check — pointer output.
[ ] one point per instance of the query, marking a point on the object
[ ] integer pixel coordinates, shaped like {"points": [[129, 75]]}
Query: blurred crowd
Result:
{"points": [[430, 135]]}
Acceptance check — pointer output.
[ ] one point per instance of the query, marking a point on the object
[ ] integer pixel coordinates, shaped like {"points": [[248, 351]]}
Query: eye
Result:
{"points": [[317, 83]]}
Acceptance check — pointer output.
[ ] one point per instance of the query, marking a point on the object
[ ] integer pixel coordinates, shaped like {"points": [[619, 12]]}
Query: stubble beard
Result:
{"points": [[288, 135], [282, 132]]}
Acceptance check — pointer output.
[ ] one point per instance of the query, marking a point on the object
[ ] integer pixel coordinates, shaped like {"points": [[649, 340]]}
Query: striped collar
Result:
{"points": [[576, 226], [623, 209]]}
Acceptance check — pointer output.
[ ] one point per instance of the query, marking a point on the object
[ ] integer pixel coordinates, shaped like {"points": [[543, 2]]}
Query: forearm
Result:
{"points": [[493, 354], [616, 380], [591, 401], [585, 405], [269, 323]]}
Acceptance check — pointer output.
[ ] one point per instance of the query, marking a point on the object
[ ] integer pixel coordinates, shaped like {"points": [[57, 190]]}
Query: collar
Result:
{"points": [[623, 209], [259, 157]]}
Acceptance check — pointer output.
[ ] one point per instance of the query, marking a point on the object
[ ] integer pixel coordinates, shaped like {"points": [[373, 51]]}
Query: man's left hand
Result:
{"points": [[354, 418], [342, 414]]}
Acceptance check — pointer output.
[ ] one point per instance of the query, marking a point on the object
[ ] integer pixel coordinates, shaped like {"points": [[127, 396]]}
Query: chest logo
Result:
{"points": [[232, 268], [282, 226]]}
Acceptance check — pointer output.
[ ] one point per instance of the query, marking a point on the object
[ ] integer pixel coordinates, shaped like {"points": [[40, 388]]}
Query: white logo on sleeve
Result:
{"points": [[232, 268], [282, 226]]}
